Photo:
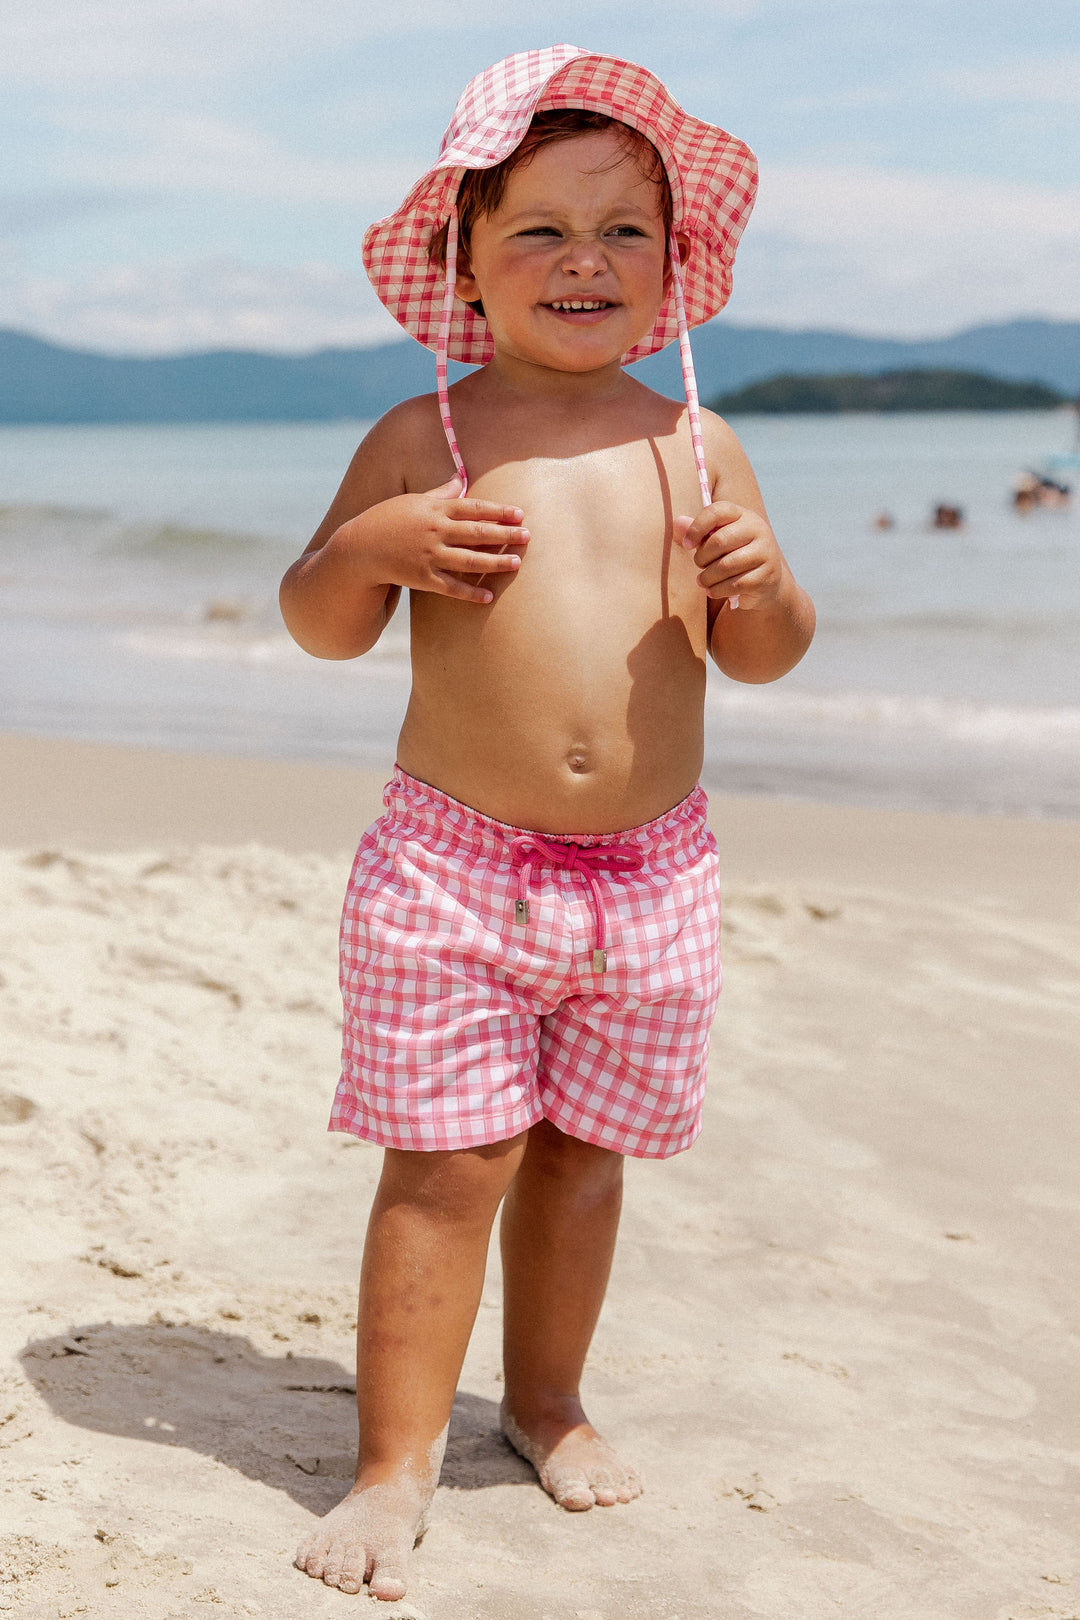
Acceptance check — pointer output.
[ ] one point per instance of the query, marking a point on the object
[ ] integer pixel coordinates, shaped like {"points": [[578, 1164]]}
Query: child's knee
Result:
{"points": [[457, 1182], [553, 1153]]}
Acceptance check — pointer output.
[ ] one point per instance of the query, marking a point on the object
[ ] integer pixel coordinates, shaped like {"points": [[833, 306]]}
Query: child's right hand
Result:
{"points": [[424, 542]]}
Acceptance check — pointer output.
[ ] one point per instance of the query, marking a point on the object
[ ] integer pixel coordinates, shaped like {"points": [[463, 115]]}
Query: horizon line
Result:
{"points": [[359, 345]]}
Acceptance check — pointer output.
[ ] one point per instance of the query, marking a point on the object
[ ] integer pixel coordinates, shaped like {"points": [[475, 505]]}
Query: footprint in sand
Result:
{"points": [[15, 1110]]}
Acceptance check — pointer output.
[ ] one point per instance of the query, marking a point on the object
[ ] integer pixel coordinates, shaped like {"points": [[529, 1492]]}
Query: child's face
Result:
{"points": [[578, 224]]}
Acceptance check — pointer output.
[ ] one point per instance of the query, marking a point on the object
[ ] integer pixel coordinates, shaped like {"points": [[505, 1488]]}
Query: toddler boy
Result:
{"points": [[530, 958]]}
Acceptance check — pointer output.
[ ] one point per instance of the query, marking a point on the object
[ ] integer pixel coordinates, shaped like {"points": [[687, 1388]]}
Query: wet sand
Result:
{"points": [[842, 1331]]}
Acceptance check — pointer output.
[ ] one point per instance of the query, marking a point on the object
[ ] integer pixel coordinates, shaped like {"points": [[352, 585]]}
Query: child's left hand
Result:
{"points": [[737, 553]]}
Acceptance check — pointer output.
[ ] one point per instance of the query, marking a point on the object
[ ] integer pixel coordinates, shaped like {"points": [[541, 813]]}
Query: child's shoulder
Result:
{"points": [[718, 432], [402, 423], [732, 475], [723, 450], [406, 440]]}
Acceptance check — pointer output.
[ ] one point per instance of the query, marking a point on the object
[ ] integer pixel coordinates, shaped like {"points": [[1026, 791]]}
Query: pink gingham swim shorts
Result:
{"points": [[493, 977]]}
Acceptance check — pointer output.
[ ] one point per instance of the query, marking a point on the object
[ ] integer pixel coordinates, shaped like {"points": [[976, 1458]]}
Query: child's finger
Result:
{"points": [[723, 567], [446, 585], [729, 541], [716, 516], [447, 491], [484, 562], [745, 585], [485, 512], [486, 534]]}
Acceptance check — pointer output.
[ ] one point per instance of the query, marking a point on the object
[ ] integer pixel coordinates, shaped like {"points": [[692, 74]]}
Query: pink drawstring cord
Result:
{"points": [[693, 407], [444, 340], [530, 849]]}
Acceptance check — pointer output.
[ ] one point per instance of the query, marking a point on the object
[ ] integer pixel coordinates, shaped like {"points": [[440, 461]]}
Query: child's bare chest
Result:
{"points": [[601, 532], [587, 669], [605, 602]]}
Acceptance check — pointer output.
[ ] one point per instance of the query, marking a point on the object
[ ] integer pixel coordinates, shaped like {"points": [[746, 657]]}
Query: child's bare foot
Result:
{"points": [[368, 1538], [576, 1466]]}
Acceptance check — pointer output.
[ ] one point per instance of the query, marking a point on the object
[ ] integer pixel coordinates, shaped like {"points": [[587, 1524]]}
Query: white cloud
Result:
{"points": [[24, 212], [905, 253], [853, 248], [1050, 80], [220, 303], [151, 151], [58, 42], [97, 42], [858, 202]]}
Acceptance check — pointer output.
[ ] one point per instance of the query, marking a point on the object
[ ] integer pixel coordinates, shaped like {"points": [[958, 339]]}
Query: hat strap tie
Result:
{"points": [[693, 407], [444, 343]]}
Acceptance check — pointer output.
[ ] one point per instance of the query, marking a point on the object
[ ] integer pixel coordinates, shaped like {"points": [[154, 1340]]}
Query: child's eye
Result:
{"points": [[540, 230], [624, 230]]}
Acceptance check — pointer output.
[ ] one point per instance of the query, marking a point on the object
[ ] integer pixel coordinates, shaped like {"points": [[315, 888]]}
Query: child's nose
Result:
{"points": [[585, 256]]}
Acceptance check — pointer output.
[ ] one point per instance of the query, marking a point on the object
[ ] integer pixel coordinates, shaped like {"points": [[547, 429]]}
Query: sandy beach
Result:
{"points": [[842, 1333]]}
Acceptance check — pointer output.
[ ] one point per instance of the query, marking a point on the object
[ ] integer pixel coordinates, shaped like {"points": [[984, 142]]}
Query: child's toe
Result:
{"points": [[311, 1555], [332, 1567], [572, 1491], [353, 1569], [388, 1565], [388, 1582]]}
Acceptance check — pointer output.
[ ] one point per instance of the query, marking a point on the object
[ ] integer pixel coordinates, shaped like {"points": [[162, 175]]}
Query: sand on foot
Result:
{"points": [[578, 1469]]}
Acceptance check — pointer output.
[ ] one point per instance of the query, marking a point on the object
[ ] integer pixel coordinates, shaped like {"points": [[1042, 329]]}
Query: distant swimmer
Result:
{"points": [[947, 516], [1034, 490], [884, 520]]}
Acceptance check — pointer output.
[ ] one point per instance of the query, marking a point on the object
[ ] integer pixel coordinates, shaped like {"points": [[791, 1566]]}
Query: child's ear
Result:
{"points": [[684, 253], [465, 287]]}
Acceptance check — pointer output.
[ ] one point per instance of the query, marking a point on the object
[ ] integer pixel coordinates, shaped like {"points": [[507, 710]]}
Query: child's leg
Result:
{"points": [[420, 1288], [558, 1233]]}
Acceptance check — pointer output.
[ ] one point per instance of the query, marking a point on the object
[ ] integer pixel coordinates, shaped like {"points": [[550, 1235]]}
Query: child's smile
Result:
{"points": [[580, 307], [570, 267]]}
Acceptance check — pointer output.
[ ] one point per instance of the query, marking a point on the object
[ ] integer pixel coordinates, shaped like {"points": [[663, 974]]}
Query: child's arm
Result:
{"points": [[378, 537], [738, 556]]}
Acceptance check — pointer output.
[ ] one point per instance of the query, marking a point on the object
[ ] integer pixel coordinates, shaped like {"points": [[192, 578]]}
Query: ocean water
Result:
{"points": [[139, 570]]}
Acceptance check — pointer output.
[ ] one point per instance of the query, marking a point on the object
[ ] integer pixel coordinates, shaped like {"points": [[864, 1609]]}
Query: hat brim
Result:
{"points": [[713, 179]]}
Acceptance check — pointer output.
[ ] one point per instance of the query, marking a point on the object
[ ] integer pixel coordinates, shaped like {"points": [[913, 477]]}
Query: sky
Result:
{"points": [[190, 174]]}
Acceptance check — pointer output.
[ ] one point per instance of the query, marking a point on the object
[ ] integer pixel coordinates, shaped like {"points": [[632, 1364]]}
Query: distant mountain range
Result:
{"points": [[43, 382]]}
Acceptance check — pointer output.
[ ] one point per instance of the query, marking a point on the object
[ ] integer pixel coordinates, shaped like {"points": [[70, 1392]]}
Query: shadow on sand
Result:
{"points": [[289, 1422]]}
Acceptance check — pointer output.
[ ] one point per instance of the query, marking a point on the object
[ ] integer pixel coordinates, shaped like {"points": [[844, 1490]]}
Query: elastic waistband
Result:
{"points": [[415, 804]]}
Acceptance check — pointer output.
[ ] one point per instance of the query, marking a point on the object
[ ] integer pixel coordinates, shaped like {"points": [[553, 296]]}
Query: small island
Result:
{"points": [[913, 390]]}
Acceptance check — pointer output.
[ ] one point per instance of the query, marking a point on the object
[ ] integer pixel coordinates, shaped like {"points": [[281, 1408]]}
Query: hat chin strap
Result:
{"points": [[444, 340], [693, 407]]}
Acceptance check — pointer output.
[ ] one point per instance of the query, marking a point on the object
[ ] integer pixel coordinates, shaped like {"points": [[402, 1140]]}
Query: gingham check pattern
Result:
{"points": [[464, 1026], [713, 179]]}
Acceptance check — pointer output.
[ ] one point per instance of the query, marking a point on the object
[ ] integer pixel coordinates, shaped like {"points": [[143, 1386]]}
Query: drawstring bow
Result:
{"points": [[529, 850]]}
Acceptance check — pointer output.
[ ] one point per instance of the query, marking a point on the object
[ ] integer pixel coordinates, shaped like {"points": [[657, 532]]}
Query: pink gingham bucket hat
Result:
{"points": [[712, 175]]}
